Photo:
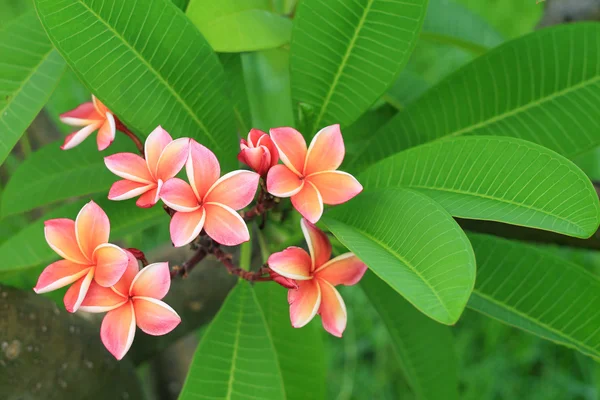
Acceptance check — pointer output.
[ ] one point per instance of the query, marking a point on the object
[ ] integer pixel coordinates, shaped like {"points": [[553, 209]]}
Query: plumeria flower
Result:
{"points": [[164, 159], [309, 177], [210, 202], [316, 276], [88, 257], [91, 116], [258, 152], [134, 300]]}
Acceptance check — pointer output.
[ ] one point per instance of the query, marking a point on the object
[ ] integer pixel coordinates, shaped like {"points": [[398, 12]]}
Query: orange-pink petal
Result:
{"points": [[258, 158], [267, 142], [332, 310], [154, 317], [318, 243], [155, 143], [304, 302], [152, 281], [106, 133], [291, 146], [172, 159], [83, 115], [129, 166], [151, 197], [202, 168], [326, 151], [126, 189], [186, 226], [254, 136], [123, 285], [336, 187], [283, 182], [224, 225], [178, 194], [77, 292], [345, 269], [111, 263], [293, 263], [101, 299], [100, 107], [92, 228], [79, 136], [235, 189], [59, 274], [118, 330], [308, 202], [61, 237]]}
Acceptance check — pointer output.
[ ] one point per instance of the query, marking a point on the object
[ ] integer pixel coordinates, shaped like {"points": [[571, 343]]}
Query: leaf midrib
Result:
{"points": [[236, 344]]}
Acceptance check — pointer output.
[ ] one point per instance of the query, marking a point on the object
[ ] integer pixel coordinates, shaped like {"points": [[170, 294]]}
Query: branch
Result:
{"points": [[138, 143]]}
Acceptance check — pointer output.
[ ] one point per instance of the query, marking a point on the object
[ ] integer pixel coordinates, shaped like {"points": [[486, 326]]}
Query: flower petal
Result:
{"points": [[291, 146], [186, 226], [83, 115], [123, 285], [126, 189], [304, 302], [118, 330], [79, 136], [345, 269], [172, 159], [60, 235], [318, 243], [152, 281], [106, 134], [224, 225], [178, 194], [154, 317], [258, 158], [254, 135], [267, 142], [151, 197], [100, 107], [77, 292], [235, 189], [101, 299], [202, 168], [293, 263], [155, 143], [59, 274], [332, 310], [283, 182], [92, 228], [326, 151], [308, 202], [129, 166], [336, 187], [111, 263]]}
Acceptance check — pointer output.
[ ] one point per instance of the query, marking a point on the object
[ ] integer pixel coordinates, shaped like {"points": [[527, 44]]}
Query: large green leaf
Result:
{"points": [[30, 69], [236, 26], [69, 94], [131, 54], [28, 248], [538, 292], [424, 348], [234, 74], [52, 174], [496, 178], [345, 55], [300, 352], [411, 243], [544, 87], [236, 358]]}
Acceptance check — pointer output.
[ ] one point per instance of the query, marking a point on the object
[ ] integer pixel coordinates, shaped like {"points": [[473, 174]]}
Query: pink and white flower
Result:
{"points": [[209, 202], [135, 300], [316, 277], [88, 257], [164, 159], [258, 152], [309, 176], [91, 116]]}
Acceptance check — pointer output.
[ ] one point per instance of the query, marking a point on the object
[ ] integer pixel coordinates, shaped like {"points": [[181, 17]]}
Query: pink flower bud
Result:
{"points": [[282, 280], [258, 152]]}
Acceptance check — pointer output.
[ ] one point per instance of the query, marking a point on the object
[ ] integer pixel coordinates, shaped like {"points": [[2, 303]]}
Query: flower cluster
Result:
{"points": [[107, 278]]}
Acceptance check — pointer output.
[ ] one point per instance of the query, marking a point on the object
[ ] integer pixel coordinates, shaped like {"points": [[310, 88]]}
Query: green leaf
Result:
{"points": [[425, 349], [12, 9], [234, 74], [538, 292], [52, 174], [498, 179], [28, 248], [232, 26], [345, 55], [236, 358], [411, 243], [544, 87], [131, 55], [300, 352], [409, 86], [30, 69], [69, 94]]}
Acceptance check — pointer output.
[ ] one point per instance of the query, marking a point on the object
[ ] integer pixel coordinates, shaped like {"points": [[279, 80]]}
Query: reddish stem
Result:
{"points": [[138, 143], [187, 266]]}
